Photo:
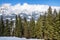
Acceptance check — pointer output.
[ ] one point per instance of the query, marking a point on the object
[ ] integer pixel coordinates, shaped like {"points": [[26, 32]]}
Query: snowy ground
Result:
{"points": [[15, 38]]}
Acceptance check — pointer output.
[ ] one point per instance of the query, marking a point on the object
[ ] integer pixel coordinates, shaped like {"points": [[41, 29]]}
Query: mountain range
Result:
{"points": [[8, 11]]}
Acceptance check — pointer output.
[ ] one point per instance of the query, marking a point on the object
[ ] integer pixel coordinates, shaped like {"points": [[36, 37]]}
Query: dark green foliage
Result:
{"points": [[39, 26], [50, 23], [1, 26], [57, 26], [18, 27], [7, 28], [32, 28], [11, 27], [25, 25]]}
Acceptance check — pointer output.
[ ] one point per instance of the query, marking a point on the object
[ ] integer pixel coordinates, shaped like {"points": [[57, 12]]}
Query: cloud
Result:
{"points": [[25, 8]]}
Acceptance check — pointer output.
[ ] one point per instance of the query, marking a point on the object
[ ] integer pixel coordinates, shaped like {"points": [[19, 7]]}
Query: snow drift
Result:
{"points": [[16, 38]]}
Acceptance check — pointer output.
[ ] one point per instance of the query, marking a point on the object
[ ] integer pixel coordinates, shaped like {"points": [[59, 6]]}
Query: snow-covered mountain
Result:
{"points": [[7, 15], [28, 16], [25, 10]]}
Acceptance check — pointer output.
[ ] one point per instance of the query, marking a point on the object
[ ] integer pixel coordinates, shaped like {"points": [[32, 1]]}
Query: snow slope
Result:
{"points": [[15, 38]]}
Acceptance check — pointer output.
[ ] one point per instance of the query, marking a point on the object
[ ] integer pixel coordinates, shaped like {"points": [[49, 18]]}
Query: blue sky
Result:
{"points": [[43, 2]]}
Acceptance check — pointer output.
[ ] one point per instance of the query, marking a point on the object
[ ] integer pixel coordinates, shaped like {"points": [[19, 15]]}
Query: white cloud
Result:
{"points": [[25, 8]]}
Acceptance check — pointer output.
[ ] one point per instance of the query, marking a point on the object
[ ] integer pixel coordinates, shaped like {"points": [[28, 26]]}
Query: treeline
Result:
{"points": [[47, 26]]}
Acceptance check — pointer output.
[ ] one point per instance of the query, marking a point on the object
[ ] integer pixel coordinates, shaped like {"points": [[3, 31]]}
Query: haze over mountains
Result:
{"points": [[25, 10]]}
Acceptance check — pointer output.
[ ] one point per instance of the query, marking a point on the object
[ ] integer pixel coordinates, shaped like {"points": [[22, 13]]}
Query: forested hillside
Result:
{"points": [[46, 27]]}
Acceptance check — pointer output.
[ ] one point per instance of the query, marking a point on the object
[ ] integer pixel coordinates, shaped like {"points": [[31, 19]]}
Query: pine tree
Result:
{"points": [[11, 27], [48, 28], [56, 25], [50, 23], [18, 28], [7, 28], [25, 25], [39, 26], [32, 28], [1, 26], [20, 25], [45, 27]]}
